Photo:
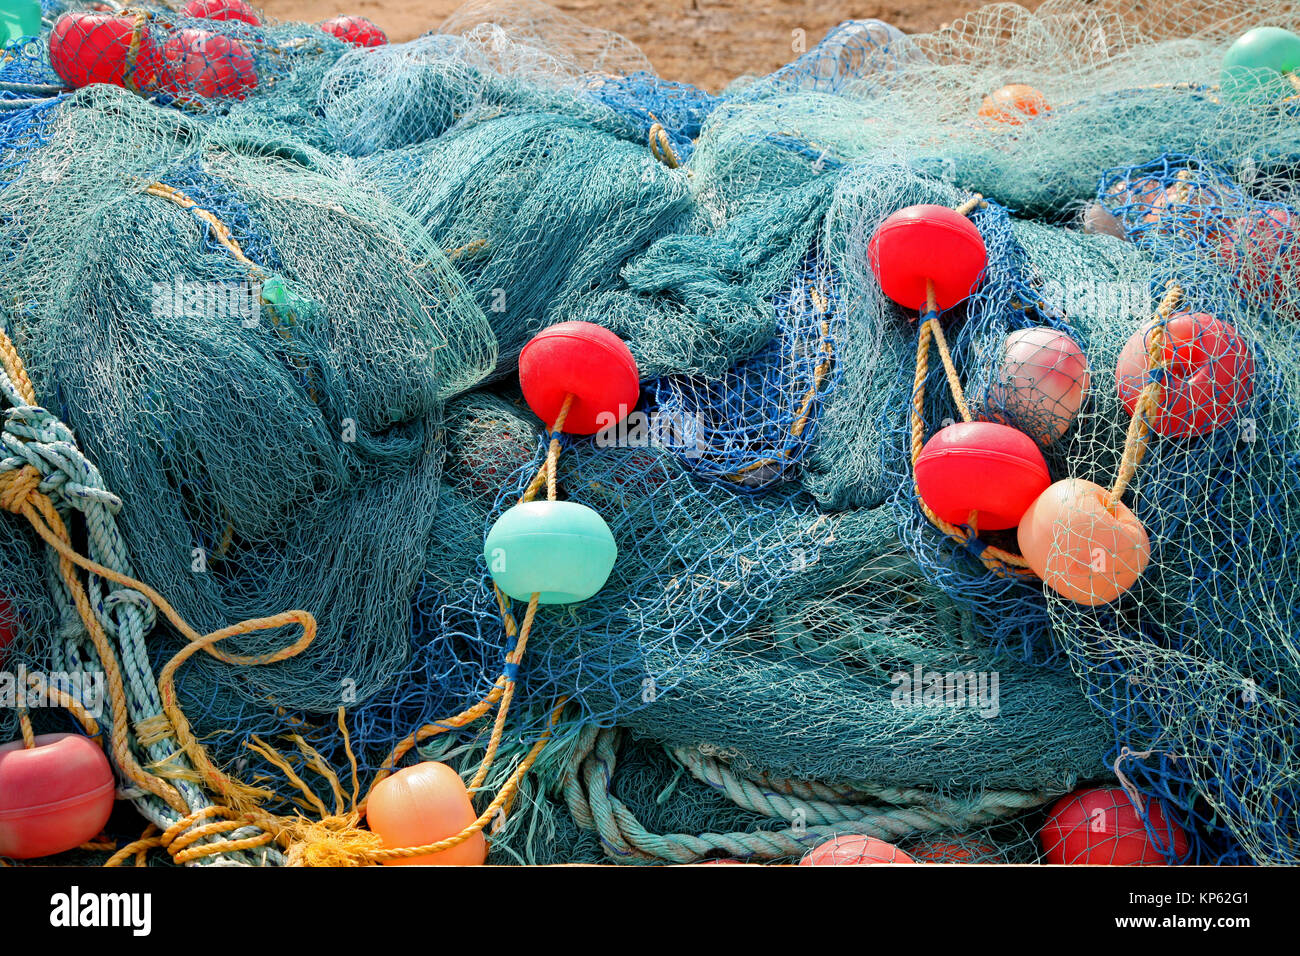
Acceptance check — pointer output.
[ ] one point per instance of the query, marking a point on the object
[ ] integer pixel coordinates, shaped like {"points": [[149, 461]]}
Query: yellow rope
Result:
{"points": [[20, 494], [1148, 402], [661, 147]]}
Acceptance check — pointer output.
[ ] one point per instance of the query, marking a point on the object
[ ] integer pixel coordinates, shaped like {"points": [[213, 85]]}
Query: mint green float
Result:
{"points": [[19, 18], [561, 549], [1256, 65]]}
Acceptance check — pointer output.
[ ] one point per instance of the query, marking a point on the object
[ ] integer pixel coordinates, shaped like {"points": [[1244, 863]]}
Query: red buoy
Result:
{"points": [[1100, 826], [1262, 252], [854, 851], [221, 10], [984, 467], [8, 627], [584, 360], [54, 796], [1208, 374], [923, 244], [355, 30], [208, 65], [88, 48]]}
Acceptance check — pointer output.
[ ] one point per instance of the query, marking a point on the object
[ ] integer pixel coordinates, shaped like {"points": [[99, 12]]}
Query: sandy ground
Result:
{"points": [[706, 42]]}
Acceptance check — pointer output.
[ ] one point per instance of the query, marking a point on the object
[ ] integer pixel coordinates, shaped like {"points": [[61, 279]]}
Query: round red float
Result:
{"points": [[221, 10], [88, 48], [854, 851], [984, 467], [8, 626], [355, 30], [54, 796], [927, 243], [589, 362], [1263, 252], [205, 64], [1208, 374], [1100, 826]]}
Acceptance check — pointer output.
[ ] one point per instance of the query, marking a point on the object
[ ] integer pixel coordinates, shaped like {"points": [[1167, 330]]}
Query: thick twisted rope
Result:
{"points": [[44, 460], [588, 777]]}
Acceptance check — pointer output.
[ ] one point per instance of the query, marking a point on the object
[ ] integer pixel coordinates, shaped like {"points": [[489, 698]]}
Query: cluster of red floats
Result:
{"points": [[122, 49], [988, 475], [1094, 827]]}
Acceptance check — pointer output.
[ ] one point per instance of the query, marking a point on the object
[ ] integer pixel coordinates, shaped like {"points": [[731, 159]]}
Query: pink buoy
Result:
{"points": [[54, 796], [586, 361], [982, 467], [1082, 549], [927, 244], [1262, 252], [1040, 383], [1208, 374], [1100, 827], [854, 851]]}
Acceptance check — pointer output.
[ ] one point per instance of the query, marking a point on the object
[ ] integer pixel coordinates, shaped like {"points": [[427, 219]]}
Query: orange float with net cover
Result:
{"points": [[221, 10], [855, 851], [1013, 104], [358, 31], [1100, 826]]}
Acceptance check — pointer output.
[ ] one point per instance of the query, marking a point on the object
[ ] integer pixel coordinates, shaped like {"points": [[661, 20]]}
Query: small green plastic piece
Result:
{"points": [[561, 549]]}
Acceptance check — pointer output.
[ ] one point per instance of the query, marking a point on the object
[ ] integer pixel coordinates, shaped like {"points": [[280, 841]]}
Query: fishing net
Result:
{"points": [[272, 332]]}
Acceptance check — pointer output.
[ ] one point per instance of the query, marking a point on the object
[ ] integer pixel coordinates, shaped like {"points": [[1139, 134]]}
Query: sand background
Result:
{"points": [[705, 42]]}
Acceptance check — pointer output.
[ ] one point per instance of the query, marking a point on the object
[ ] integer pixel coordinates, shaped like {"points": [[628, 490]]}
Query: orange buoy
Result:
{"points": [[855, 851], [1079, 547], [423, 804], [1013, 104]]}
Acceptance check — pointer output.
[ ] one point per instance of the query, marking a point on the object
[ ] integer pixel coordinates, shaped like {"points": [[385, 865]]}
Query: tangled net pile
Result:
{"points": [[273, 337]]}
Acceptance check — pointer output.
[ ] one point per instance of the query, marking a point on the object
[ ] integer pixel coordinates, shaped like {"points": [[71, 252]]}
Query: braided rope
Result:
{"points": [[588, 777]]}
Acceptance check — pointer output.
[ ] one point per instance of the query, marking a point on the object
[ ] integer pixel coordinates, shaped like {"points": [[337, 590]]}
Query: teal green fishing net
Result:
{"points": [[787, 649]]}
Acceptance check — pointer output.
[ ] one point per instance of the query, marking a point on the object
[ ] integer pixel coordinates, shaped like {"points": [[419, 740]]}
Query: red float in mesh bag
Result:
{"points": [[221, 10], [355, 30], [87, 48], [1099, 826], [198, 63]]}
